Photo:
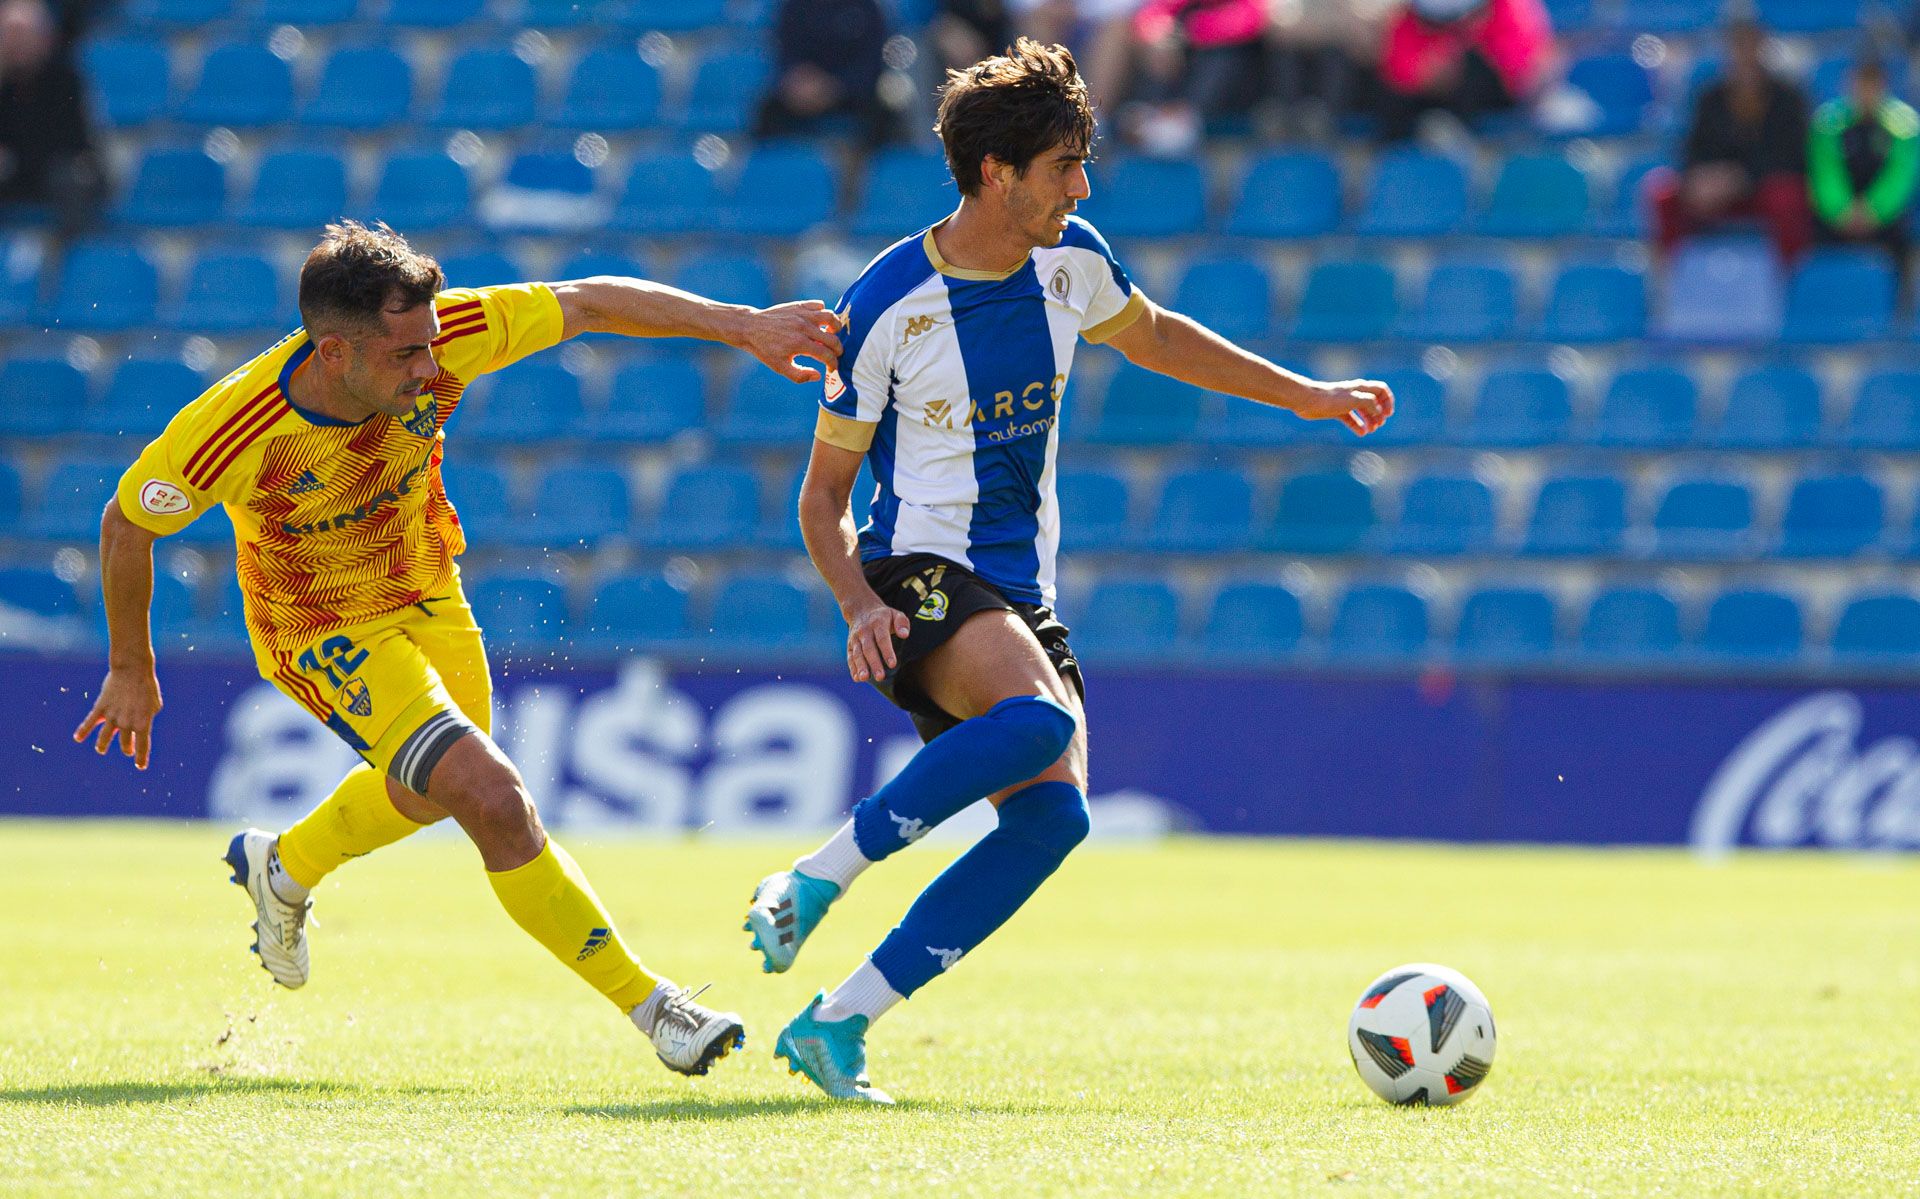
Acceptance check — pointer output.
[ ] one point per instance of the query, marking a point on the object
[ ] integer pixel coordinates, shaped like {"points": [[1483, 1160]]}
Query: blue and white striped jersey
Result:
{"points": [[950, 382]]}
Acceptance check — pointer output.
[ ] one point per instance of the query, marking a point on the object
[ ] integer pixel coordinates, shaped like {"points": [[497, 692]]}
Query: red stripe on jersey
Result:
{"points": [[247, 437], [457, 308], [240, 417], [463, 322], [302, 691], [458, 333]]}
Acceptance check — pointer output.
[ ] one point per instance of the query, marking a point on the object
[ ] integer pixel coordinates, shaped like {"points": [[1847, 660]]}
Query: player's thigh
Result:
{"points": [[449, 636], [991, 657]]}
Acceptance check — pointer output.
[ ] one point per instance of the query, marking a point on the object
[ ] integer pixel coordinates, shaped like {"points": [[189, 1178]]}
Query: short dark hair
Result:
{"points": [[1014, 106], [356, 273]]}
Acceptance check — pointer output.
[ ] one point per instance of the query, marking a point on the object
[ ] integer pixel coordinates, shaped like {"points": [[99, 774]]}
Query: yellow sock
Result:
{"points": [[356, 819], [552, 900]]}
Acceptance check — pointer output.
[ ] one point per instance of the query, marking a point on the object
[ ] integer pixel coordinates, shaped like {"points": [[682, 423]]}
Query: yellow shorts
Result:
{"points": [[399, 690]]}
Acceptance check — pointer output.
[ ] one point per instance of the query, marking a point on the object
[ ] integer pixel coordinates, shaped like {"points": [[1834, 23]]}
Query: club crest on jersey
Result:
{"points": [[1061, 285], [424, 420], [356, 698], [162, 498]]}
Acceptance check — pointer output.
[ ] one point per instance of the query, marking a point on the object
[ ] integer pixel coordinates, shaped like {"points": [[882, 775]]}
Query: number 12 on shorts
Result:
{"points": [[335, 657]]}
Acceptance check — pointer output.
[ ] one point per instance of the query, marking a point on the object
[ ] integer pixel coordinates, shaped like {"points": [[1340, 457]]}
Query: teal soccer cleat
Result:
{"points": [[833, 1056], [786, 908]]}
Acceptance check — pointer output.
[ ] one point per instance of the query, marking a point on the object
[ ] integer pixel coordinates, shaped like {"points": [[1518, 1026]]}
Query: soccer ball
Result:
{"points": [[1421, 1034]]}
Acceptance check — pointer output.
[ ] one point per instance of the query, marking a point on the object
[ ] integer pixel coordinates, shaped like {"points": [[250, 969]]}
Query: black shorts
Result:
{"points": [[938, 595]]}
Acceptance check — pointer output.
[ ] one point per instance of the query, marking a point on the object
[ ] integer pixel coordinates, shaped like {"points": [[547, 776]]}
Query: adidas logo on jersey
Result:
{"points": [[306, 483], [596, 941]]}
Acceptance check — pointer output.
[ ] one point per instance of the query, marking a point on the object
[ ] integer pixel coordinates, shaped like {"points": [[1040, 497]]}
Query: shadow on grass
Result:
{"points": [[124, 1094], [695, 1108]]}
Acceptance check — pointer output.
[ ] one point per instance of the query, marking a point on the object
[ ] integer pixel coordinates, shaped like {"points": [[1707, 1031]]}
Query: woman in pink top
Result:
{"points": [[1204, 58], [1467, 57]]}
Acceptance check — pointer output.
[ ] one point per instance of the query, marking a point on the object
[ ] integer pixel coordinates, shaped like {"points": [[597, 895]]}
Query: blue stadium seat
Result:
{"points": [[486, 88], [73, 497], [1095, 510], [1287, 195], [603, 260], [904, 189], [781, 529], [1505, 626], [1536, 195], [545, 191], [40, 397], [1881, 626], [1631, 624], [1625, 214], [1840, 296], [707, 507], [1142, 407], [434, 14], [1832, 516], [1669, 16], [1578, 515], [1347, 301], [667, 192], [1752, 624], [11, 495], [480, 268], [1466, 301], [522, 614], [306, 13], [1704, 518], [1569, 16], [1207, 510], [361, 88], [652, 399], [753, 611], [1812, 16], [423, 192], [1521, 406], [1886, 411], [1596, 302], [38, 591], [735, 276], [231, 291], [130, 77], [1828, 80], [576, 506], [725, 88], [763, 408], [1772, 407], [636, 611], [1249, 621], [1321, 512], [296, 189], [174, 189], [781, 191], [1414, 194], [1129, 618], [143, 396], [240, 86], [1231, 296], [1420, 405], [483, 496], [1649, 407], [106, 287], [1444, 514], [176, 12], [1233, 421], [1621, 91], [533, 402], [1149, 197], [1376, 622], [19, 291], [612, 89], [1723, 290]]}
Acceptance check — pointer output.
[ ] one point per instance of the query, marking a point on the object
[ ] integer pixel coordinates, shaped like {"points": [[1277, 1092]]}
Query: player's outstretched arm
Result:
{"points": [[1182, 347], [641, 308], [130, 697]]}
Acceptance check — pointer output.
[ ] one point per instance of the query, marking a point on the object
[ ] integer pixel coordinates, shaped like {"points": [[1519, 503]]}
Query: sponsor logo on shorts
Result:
{"points": [[597, 940], [355, 697], [934, 607], [162, 498]]}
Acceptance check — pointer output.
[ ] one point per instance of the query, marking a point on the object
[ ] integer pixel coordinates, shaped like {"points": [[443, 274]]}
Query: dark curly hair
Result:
{"points": [[1014, 106]]}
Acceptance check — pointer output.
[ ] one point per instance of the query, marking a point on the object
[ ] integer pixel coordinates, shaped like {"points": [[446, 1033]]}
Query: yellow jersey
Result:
{"points": [[335, 522]]}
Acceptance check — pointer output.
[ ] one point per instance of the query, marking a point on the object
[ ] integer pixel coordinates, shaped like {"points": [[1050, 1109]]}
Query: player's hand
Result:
{"points": [[129, 700], [800, 329], [870, 636], [1362, 405]]}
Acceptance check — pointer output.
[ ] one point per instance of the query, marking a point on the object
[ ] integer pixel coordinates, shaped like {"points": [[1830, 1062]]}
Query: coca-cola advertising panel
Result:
{"points": [[656, 745]]}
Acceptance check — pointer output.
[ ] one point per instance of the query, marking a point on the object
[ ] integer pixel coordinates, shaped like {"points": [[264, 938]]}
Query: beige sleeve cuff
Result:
{"points": [[844, 431], [1129, 313]]}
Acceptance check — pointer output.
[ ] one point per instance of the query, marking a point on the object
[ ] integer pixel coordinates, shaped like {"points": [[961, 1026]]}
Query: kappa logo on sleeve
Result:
{"points": [[162, 498]]}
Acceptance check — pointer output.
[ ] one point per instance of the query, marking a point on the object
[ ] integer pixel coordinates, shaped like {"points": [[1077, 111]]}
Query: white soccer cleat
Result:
{"points": [[687, 1037], [280, 928]]}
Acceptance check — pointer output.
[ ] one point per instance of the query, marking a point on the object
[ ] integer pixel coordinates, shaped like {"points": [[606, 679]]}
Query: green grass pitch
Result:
{"points": [[1159, 1020]]}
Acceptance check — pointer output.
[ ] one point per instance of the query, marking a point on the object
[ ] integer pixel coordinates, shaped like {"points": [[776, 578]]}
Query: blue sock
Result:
{"points": [[1009, 743], [1039, 827]]}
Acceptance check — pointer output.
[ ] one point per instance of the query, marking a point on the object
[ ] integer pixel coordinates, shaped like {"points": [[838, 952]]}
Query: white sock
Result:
{"points": [[839, 861], [283, 884], [647, 1012], [865, 993]]}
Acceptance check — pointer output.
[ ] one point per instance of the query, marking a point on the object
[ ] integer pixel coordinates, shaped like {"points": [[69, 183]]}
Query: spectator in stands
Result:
{"points": [[47, 155], [1100, 33], [1745, 155], [1469, 58], [965, 31], [1325, 58], [828, 66], [1204, 59], [1863, 160]]}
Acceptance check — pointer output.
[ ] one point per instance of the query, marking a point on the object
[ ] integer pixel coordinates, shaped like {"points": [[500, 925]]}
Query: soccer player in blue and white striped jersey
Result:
{"points": [[957, 348]]}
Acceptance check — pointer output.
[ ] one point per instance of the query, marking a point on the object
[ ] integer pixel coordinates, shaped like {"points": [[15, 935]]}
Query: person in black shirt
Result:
{"points": [[47, 154], [828, 64]]}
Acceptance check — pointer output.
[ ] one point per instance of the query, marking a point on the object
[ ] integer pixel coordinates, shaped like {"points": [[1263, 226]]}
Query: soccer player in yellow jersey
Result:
{"points": [[326, 452]]}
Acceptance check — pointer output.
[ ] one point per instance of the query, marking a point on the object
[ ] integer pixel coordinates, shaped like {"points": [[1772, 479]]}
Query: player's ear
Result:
{"points": [[332, 349], [995, 174]]}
